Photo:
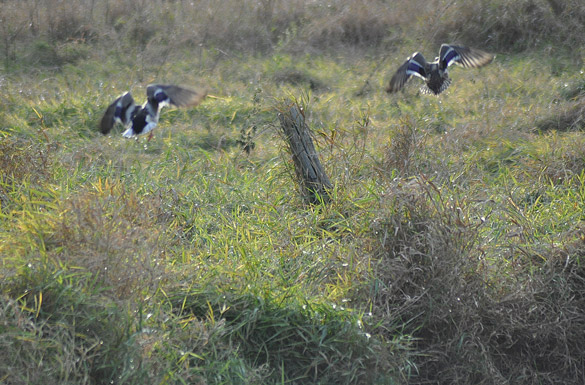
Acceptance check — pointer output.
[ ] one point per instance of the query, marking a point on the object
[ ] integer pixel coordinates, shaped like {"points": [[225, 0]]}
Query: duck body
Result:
{"points": [[140, 120], [436, 74], [143, 119]]}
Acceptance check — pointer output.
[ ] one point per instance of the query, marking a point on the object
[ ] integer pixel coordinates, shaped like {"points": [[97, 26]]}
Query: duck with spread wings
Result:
{"points": [[435, 74], [140, 120]]}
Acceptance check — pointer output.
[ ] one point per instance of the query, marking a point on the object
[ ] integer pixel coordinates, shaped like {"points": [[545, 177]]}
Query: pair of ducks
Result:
{"points": [[143, 119]]}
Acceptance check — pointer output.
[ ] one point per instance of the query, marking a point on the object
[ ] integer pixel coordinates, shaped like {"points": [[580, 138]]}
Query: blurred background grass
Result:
{"points": [[54, 32]]}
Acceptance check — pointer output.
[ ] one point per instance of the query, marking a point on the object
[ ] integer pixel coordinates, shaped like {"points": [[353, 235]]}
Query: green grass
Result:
{"points": [[451, 250]]}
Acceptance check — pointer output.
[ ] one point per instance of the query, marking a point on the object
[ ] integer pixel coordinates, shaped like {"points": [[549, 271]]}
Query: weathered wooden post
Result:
{"points": [[314, 182]]}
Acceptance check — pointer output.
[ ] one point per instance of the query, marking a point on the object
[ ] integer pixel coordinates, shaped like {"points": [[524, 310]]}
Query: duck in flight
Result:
{"points": [[143, 119], [435, 74]]}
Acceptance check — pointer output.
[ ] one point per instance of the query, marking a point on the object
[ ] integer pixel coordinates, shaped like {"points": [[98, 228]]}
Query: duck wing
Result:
{"points": [[464, 56], [413, 66], [120, 110], [176, 95]]}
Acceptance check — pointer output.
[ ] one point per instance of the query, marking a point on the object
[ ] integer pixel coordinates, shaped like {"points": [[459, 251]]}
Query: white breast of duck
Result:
{"points": [[147, 118]]}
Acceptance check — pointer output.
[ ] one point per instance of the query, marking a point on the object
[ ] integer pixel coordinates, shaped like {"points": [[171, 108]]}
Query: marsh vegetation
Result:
{"points": [[451, 248]]}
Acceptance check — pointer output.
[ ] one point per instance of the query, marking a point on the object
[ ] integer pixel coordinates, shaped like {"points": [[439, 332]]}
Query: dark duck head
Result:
{"points": [[435, 74], [143, 119]]}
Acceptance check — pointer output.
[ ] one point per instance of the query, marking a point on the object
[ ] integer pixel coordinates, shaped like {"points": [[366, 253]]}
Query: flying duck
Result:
{"points": [[435, 74], [143, 119]]}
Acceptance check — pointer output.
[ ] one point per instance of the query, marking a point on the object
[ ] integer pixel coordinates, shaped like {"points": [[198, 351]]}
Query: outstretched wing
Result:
{"points": [[413, 66], [463, 56], [178, 96], [120, 110]]}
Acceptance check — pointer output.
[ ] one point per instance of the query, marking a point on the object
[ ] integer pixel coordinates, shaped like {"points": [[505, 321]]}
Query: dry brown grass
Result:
{"points": [[565, 118], [156, 30], [22, 159], [406, 145], [103, 230], [22, 162], [509, 25], [59, 333], [113, 234], [362, 23], [471, 330], [560, 159]]}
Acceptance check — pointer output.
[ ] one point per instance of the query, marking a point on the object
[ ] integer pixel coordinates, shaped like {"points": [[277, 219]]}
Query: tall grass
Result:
{"points": [[53, 33], [451, 248]]}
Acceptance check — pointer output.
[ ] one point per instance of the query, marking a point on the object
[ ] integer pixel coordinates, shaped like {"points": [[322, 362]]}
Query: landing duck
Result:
{"points": [[140, 120], [435, 74]]}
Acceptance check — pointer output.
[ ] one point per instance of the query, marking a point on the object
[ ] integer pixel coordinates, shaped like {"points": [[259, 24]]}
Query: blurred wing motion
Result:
{"points": [[121, 110], [415, 65], [463, 56], [435, 74], [175, 95], [143, 119]]}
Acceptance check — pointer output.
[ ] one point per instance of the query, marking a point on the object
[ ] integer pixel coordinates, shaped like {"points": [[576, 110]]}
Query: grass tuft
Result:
{"points": [[64, 332], [290, 341], [433, 279], [569, 117]]}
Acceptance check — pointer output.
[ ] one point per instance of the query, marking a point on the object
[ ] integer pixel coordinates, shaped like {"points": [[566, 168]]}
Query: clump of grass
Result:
{"points": [[574, 91], [24, 160], [427, 281], [199, 351], [406, 143], [24, 164], [565, 118], [284, 340], [469, 328], [559, 158], [58, 331], [113, 234], [106, 231], [298, 78], [514, 326]]}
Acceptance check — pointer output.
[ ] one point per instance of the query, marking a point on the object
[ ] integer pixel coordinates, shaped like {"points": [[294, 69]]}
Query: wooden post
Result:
{"points": [[314, 182]]}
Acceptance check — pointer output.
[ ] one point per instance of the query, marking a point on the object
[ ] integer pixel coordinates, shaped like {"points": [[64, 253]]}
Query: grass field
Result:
{"points": [[451, 251]]}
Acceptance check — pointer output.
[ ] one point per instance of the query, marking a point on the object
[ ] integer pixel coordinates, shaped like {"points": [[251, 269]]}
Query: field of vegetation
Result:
{"points": [[451, 250]]}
